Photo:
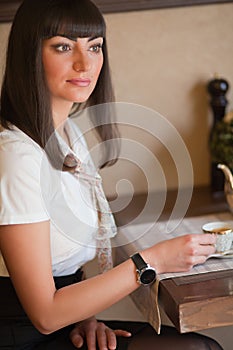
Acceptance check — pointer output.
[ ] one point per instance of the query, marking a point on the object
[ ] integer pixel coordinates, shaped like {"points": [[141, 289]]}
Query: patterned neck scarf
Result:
{"points": [[85, 170]]}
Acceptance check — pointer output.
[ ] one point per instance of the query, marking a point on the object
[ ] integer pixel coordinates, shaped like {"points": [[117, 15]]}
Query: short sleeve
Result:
{"points": [[21, 200]]}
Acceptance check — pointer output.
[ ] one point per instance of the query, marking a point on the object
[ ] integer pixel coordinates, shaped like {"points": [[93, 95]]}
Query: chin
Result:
{"points": [[81, 99]]}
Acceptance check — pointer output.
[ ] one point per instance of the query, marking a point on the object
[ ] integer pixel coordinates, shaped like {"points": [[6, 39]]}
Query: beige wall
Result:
{"points": [[4, 31], [162, 60]]}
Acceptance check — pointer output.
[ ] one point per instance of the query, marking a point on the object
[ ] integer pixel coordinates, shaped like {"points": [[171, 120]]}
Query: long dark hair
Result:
{"points": [[25, 98]]}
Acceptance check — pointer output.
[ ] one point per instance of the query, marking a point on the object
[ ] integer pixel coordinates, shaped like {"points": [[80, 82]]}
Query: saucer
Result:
{"points": [[223, 255]]}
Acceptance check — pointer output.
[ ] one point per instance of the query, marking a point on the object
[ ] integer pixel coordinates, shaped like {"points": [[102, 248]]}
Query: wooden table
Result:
{"points": [[198, 302], [194, 302]]}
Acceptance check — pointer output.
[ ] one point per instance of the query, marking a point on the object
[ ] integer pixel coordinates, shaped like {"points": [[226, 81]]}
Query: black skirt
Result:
{"points": [[18, 333]]}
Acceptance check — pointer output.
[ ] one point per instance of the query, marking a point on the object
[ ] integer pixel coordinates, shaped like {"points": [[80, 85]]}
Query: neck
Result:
{"points": [[60, 114]]}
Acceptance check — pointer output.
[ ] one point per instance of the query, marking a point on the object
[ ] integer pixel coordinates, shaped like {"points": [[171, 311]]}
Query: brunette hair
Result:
{"points": [[25, 98]]}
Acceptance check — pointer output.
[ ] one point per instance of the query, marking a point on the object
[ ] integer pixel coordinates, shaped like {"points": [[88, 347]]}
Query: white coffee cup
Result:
{"points": [[224, 233]]}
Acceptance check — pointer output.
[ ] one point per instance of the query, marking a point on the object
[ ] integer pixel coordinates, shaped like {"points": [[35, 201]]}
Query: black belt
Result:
{"points": [[62, 281]]}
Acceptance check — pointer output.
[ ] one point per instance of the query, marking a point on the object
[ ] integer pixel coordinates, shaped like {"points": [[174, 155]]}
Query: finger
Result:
{"points": [[206, 238], [76, 339], [91, 339], [206, 250], [111, 339], [121, 333], [200, 259], [102, 334]]}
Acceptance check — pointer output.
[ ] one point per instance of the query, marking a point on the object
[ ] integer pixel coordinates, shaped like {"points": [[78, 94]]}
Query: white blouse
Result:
{"points": [[32, 191]]}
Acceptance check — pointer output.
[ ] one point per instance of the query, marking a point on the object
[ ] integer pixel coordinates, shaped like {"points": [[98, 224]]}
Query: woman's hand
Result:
{"points": [[94, 332], [180, 253]]}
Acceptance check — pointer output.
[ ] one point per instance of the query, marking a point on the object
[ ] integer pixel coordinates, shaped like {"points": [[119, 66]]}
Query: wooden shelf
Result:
{"points": [[9, 7], [138, 210]]}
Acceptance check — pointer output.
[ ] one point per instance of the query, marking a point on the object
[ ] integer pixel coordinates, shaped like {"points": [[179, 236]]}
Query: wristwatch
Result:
{"points": [[146, 275]]}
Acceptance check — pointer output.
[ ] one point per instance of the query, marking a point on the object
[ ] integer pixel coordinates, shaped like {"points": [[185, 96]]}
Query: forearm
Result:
{"points": [[84, 299], [80, 301]]}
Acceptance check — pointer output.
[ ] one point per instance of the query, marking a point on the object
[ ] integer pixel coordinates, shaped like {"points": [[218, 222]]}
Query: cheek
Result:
{"points": [[50, 71], [51, 67], [98, 68]]}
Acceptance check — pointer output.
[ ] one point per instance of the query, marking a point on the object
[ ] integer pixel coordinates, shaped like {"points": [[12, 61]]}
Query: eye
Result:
{"points": [[96, 48], [62, 47]]}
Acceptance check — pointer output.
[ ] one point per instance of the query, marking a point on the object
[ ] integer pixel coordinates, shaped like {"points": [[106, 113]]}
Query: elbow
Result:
{"points": [[44, 330], [45, 325]]}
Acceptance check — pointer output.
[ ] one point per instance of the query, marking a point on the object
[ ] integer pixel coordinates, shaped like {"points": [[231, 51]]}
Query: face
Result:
{"points": [[72, 67]]}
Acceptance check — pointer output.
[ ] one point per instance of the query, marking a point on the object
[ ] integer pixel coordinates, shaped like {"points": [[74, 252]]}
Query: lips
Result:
{"points": [[79, 82]]}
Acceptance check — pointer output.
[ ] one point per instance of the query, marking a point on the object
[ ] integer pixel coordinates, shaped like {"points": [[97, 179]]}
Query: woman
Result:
{"points": [[57, 62]]}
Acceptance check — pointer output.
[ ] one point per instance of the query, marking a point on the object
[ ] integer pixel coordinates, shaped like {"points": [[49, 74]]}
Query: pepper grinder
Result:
{"points": [[217, 89]]}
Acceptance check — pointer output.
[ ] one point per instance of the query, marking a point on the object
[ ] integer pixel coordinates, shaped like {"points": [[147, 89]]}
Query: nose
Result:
{"points": [[81, 62]]}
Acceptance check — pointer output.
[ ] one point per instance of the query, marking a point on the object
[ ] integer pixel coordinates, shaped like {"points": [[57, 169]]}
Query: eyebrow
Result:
{"points": [[75, 38], [67, 36], [95, 37]]}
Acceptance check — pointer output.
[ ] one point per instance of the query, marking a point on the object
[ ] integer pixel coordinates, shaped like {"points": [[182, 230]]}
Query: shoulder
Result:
{"points": [[16, 140], [16, 147], [21, 160]]}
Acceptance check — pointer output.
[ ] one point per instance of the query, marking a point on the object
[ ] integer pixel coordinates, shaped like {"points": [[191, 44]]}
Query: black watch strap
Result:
{"points": [[138, 261]]}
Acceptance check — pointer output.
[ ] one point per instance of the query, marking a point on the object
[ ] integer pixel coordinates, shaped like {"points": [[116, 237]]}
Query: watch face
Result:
{"points": [[148, 276]]}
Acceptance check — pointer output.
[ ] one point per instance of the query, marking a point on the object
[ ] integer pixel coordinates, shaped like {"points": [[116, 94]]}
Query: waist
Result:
{"points": [[10, 306]]}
